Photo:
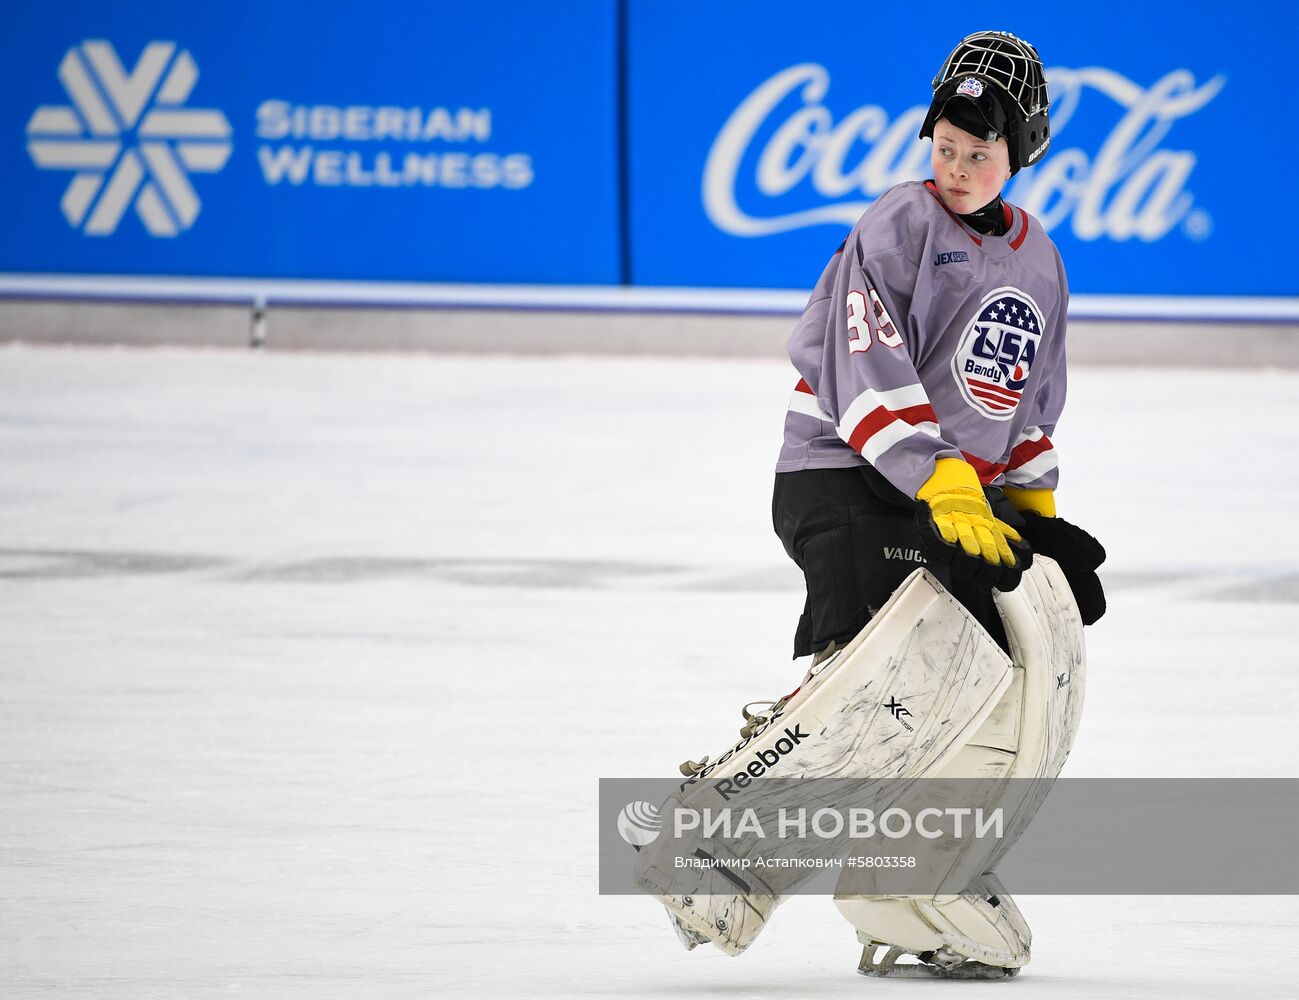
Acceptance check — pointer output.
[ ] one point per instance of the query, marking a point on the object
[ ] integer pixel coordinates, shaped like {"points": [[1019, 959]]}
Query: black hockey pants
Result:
{"points": [[855, 538]]}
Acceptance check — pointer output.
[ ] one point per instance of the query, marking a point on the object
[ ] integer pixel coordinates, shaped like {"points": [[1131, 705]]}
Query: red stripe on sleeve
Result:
{"points": [[882, 416], [1026, 451], [924, 413], [869, 426], [987, 471]]}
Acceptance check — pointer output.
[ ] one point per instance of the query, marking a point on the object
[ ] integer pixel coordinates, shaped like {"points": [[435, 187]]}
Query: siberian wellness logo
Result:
{"points": [[130, 143], [128, 140]]}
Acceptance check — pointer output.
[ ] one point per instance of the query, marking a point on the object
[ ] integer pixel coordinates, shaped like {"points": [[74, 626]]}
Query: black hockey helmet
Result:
{"points": [[992, 84]]}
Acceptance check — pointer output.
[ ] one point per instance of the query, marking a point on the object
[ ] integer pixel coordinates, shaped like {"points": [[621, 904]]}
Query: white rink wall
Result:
{"points": [[1262, 342]]}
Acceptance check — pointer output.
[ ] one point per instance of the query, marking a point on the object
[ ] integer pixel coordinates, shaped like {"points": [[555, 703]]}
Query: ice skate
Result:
{"points": [[979, 934]]}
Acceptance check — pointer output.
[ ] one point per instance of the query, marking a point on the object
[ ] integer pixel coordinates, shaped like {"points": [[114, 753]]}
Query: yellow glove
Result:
{"points": [[1039, 501], [959, 514]]}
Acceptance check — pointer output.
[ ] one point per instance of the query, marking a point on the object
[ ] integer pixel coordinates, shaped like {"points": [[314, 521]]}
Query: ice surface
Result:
{"points": [[309, 666]]}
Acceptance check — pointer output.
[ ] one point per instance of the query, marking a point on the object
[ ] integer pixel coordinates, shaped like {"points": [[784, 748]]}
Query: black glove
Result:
{"points": [[1078, 554]]}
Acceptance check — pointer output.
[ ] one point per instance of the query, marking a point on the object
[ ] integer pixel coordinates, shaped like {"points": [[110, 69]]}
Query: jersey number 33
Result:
{"points": [[860, 331]]}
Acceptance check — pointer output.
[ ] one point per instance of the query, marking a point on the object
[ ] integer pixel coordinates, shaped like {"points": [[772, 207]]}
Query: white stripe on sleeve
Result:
{"points": [[872, 399], [806, 404], [1034, 469]]}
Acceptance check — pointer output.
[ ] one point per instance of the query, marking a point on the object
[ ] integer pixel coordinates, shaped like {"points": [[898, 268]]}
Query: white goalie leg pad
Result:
{"points": [[923, 649], [1027, 736]]}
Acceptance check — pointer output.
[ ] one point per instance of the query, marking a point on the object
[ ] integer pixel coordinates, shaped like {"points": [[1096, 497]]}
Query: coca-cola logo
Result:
{"points": [[1128, 187]]}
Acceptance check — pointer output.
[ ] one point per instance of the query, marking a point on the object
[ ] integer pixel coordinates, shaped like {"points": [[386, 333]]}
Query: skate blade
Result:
{"points": [[966, 970], [888, 967]]}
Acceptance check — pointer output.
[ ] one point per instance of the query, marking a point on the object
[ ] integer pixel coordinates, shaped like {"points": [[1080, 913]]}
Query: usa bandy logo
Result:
{"points": [[997, 351], [128, 139]]}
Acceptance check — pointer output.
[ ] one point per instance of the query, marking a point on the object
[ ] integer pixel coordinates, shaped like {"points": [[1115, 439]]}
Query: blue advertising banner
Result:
{"points": [[656, 143], [402, 141], [760, 130]]}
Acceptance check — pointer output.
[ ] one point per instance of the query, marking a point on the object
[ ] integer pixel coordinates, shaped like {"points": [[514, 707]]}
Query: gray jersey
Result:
{"points": [[925, 339]]}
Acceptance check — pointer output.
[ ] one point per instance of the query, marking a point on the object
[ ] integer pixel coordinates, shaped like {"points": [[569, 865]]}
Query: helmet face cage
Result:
{"points": [[1009, 62]]}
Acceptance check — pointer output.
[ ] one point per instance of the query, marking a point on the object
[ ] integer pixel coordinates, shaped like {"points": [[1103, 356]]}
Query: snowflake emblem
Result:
{"points": [[128, 139]]}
